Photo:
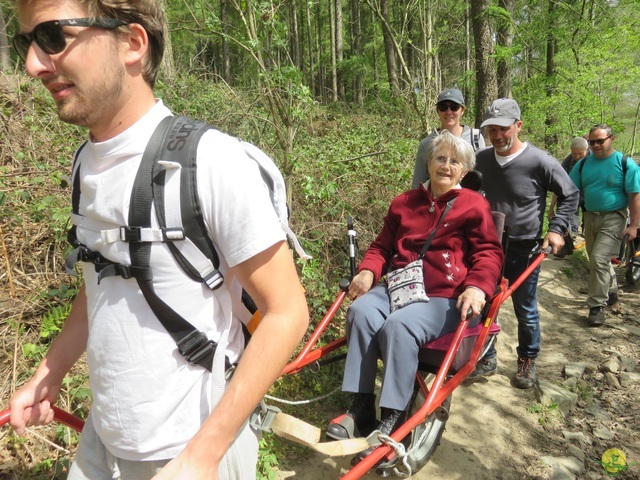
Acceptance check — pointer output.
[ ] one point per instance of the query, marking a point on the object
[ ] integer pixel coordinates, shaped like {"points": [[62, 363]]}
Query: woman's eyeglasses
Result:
{"points": [[443, 107], [599, 141], [453, 162], [50, 37]]}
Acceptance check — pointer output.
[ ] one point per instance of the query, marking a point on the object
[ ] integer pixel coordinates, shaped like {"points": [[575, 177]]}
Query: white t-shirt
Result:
{"points": [[147, 400], [503, 160]]}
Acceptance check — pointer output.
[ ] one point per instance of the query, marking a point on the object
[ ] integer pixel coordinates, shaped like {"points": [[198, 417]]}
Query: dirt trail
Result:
{"points": [[497, 432]]}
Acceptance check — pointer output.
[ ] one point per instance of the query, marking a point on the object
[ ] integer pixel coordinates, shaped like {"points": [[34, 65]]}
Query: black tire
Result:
{"points": [[425, 438], [633, 272], [632, 275]]}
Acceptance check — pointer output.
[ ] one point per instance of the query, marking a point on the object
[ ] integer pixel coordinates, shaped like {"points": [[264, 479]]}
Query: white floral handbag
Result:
{"points": [[406, 285]]}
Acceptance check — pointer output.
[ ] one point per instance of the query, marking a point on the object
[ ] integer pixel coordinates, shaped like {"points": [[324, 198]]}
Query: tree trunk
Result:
{"points": [[339, 49], [389, 49], [322, 71], [167, 66], [356, 46], [467, 34], [486, 79], [226, 56], [312, 70], [334, 69], [376, 61], [550, 137], [505, 39], [294, 37]]}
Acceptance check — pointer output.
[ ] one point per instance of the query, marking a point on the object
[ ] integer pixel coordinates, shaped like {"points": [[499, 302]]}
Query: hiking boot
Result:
{"points": [[389, 423], [358, 421], [596, 316], [526, 376], [613, 299], [485, 368]]}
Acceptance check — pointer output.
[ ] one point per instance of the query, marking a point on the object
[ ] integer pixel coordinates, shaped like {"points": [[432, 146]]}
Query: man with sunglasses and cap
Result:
{"points": [[516, 179], [611, 197], [450, 108], [154, 415]]}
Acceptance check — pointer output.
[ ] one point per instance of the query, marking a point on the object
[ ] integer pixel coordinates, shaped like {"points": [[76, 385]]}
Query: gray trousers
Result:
{"points": [[94, 462], [373, 332], [602, 234]]}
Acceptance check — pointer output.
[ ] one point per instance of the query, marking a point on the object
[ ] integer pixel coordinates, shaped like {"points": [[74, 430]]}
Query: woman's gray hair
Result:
{"points": [[579, 142], [462, 149]]}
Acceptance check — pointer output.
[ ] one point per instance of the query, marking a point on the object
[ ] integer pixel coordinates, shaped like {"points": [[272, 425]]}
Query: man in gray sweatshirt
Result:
{"points": [[516, 179]]}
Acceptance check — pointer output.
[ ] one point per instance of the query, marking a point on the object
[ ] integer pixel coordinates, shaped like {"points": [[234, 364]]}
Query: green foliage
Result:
{"points": [[53, 320], [267, 458], [546, 413]]}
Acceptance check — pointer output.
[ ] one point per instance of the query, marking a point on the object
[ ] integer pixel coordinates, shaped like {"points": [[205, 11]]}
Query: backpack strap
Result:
{"points": [[192, 343], [475, 138], [175, 194]]}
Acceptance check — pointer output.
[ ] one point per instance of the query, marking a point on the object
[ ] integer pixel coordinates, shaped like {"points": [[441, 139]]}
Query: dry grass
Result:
{"points": [[31, 247]]}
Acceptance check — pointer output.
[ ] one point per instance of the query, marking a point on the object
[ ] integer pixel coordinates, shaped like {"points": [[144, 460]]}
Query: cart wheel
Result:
{"points": [[425, 438], [632, 274]]}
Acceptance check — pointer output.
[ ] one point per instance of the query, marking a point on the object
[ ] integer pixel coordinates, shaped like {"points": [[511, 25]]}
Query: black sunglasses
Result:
{"points": [[443, 107], [50, 37], [599, 141]]}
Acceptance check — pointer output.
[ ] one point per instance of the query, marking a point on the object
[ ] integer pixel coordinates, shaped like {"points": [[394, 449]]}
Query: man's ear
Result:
{"points": [[138, 44]]}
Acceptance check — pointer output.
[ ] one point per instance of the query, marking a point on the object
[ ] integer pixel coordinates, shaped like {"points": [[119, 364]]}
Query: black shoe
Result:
{"points": [[526, 375], [596, 316], [485, 368], [613, 299], [391, 420], [359, 420]]}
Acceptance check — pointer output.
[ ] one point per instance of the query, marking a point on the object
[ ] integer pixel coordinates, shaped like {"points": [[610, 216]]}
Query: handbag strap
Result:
{"points": [[433, 233]]}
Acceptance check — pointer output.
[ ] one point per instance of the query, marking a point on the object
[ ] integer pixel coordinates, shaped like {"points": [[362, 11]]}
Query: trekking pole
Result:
{"points": [[352, 246]]}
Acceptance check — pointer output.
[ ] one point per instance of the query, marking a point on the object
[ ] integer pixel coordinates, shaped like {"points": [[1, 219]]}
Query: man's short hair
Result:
{"points": [[143, 12], [602, 126], [579, 143]]}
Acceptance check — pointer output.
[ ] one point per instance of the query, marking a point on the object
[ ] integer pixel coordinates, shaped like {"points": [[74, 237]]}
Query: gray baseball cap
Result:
{"points": [[503, 112], [451, 95]]}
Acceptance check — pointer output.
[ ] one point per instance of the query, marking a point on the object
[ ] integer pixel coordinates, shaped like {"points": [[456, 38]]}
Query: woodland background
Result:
{"points": [[339, 92]]}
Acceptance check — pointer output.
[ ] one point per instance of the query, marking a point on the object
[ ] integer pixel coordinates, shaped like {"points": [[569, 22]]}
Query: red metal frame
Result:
{"points": [[442, 387], [435, 395], [60, 415]]}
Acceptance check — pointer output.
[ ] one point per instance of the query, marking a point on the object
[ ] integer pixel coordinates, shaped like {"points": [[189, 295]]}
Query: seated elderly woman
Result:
{"points": [[461, 267]]}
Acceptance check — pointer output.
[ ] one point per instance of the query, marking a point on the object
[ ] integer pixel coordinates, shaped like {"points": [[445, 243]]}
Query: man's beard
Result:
{"points": [[506, 147]]}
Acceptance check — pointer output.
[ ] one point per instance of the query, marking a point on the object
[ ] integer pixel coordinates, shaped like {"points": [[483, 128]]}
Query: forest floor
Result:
{"points": [[497, 432]]}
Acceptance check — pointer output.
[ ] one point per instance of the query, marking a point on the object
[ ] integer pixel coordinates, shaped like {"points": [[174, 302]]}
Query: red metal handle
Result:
{"points": [[61, 416]]}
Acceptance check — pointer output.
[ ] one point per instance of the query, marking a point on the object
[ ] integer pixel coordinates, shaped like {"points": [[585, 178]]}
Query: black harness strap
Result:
{"points": [[180, 145], [192, 343]]}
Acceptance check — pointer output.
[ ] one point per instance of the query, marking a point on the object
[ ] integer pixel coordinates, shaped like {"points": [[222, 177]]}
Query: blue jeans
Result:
{"points": [[525, 305]]}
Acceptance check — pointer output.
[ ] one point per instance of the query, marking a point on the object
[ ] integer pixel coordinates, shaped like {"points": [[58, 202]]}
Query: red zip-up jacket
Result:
{"points": [[465, 251]]}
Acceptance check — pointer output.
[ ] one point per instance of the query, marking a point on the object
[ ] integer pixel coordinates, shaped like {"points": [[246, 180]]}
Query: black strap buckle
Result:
{"points": [[195, 344], [130, 234]]}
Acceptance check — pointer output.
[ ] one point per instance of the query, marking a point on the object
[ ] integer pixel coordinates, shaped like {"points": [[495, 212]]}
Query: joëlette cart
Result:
{"points": [[443, 365]]}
